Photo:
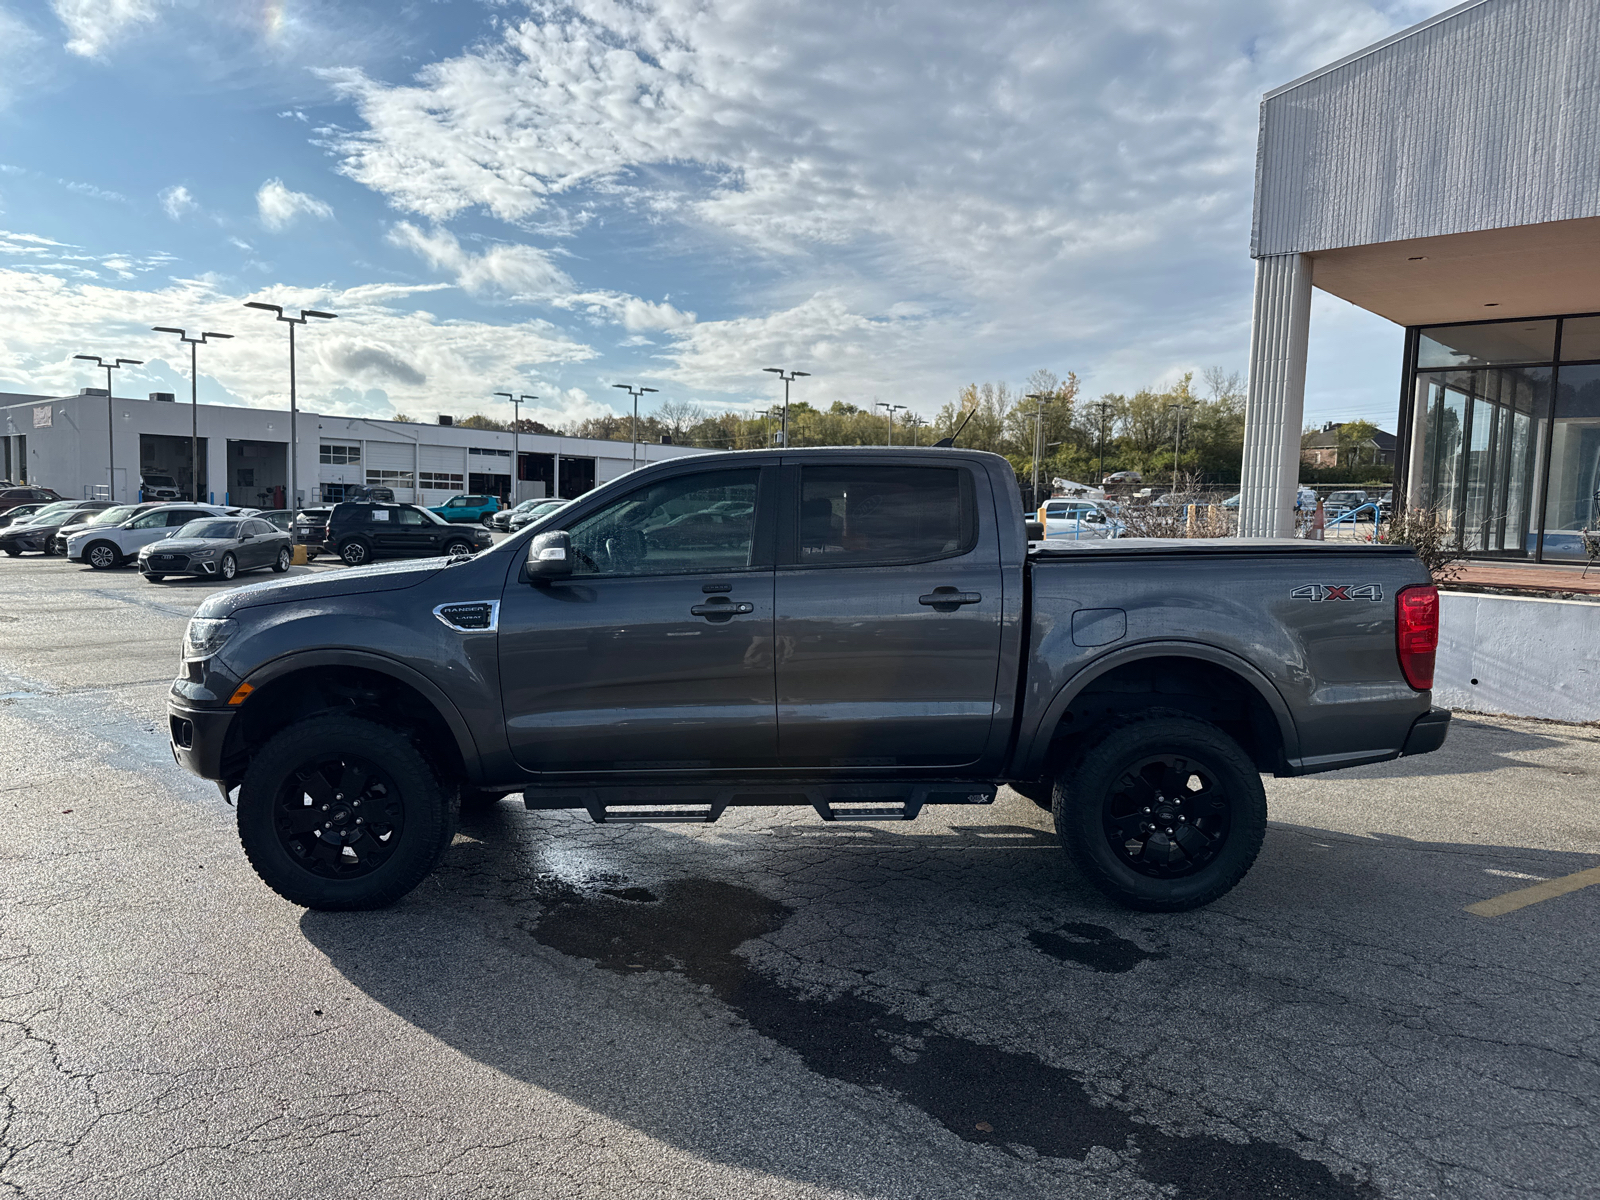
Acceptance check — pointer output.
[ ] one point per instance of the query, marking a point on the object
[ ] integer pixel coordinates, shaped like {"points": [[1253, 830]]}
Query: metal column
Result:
{"points": [[1275, 405]]}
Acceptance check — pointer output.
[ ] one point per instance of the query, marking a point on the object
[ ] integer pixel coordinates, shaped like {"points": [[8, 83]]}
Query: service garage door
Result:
{"points": [[443, 473], [393, 465]]}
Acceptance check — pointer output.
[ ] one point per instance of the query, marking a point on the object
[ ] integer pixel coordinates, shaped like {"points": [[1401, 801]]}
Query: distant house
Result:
{"points": [[1322, 448]]}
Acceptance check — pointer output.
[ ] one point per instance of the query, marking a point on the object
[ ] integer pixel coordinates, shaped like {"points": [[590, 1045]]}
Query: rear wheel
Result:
{"points": [[488, 521], [355, 552], [102, 556], [1164, 813], [342, 813], [311, 555], [282, 563], [458, 549]]}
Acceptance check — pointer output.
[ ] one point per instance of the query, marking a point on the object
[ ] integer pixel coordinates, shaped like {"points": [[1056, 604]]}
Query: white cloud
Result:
{"points": [[92, 25], [20, 58], [278, 206], [1065, 185], [177, 202], [381, 340], [522, 272]]}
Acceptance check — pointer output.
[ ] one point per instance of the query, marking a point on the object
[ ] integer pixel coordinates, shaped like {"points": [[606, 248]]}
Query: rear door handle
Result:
{"points": [[719, 609], [949, 598]]}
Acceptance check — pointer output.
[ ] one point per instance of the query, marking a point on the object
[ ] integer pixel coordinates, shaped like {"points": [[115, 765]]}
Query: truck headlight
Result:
{"points": [[205, 636]]}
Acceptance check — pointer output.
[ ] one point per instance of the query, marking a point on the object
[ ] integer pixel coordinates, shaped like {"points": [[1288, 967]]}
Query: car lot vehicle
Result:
{"points": [[359, 532], [12, 496], [538, 512], [1077, 519], [468, 509], [279, 518], [502, 519], [158, 487], [20, 513], [86, 520], [1339, 503], [881, 637], [106, 546], [310, 530], [39, 533], [217, 547]]}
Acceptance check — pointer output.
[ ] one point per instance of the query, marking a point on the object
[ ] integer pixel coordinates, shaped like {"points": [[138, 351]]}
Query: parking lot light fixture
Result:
{"points": [[516, 430], [635, 393], [891, 409], [111, 425], [194, 399], [294, 442], [788, 377]]}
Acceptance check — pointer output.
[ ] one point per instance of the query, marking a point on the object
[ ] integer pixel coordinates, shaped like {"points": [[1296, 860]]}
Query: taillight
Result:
{"points": [[1416, 633]]}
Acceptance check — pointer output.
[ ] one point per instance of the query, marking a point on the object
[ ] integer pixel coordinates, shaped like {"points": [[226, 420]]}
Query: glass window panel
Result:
{"points": [[865, 514], [1487, 345], [1572, 502], [689, 524], [1580, 339]]}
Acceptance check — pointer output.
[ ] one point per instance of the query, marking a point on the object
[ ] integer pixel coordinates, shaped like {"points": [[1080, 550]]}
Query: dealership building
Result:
{"points": [[1448, 179], [89, 444]]}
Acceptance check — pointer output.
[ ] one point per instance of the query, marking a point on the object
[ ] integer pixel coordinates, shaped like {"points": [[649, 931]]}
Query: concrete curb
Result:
{"points": [[1521, 656]]}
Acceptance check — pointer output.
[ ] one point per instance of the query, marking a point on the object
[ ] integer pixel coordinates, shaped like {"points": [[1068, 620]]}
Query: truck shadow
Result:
{"points": [[717, 990]]}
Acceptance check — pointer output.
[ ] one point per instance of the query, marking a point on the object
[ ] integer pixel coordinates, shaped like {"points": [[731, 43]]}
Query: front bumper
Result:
{"points": [[25, 544], [198, 736], [176, 564], [1427, 732]]}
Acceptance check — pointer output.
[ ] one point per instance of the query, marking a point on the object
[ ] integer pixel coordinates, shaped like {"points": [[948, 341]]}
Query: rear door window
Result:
{"points": [[856, 515]]}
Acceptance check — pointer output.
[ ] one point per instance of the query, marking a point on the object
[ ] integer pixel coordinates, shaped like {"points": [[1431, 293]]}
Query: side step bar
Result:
{"points": [[878, 801]]}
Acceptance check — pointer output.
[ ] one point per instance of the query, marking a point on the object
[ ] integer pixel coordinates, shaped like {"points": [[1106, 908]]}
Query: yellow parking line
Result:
{"points": [[1522, 897]]}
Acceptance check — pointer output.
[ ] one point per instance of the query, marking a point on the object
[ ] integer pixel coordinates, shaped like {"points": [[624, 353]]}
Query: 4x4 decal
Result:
{"points": [[1318, 592]]}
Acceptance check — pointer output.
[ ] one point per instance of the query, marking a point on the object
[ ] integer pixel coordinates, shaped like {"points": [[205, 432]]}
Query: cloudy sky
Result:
{"points": [[506, 195]]}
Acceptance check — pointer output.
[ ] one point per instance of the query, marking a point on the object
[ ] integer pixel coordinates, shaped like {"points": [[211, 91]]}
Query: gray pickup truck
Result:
{"points": [[862, 631]]}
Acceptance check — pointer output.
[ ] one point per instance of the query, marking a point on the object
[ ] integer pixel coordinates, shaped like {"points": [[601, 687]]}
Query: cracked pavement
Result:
{"points": [[770, 1006]]}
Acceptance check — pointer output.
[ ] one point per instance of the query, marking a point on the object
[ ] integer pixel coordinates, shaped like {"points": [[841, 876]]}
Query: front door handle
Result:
{"points": [[720, 608], [948, 599]]}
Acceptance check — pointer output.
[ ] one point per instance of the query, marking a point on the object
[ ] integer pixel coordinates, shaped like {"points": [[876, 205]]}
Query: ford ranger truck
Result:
{"points": [[865, 632]]}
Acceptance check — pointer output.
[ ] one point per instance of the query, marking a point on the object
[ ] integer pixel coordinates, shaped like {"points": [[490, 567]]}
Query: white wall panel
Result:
{"points": [[1484, 117], [390, 456]]}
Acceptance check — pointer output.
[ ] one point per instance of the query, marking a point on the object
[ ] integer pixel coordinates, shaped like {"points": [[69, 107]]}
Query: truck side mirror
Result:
{"points": [[549, 557]]}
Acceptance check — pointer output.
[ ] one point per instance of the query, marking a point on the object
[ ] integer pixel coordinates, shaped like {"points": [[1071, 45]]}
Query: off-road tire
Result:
{"points": [[1097, 785], [355, 553], [429, 812], [102, 556]]}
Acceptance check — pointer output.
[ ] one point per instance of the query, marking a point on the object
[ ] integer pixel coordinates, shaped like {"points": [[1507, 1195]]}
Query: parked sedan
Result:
{"points": [[538, 512], [20, 514], [502, 519], [217, 547], [39, 532]]}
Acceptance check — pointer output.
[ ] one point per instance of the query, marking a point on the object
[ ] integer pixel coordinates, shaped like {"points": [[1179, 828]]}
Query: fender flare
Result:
{"points": [[303, 660], [1035, 743]]}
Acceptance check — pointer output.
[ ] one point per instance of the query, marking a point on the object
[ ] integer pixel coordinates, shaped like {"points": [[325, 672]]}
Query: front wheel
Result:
{"points": [[102, 556], [282, 563], [354, 553], [228, 567], [1164, 813], [341, 813]]}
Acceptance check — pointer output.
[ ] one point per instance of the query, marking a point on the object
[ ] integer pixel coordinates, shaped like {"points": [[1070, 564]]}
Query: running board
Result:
{"points": [[876, 801]]}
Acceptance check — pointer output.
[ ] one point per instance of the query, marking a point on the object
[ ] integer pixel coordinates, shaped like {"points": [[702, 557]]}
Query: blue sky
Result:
{"points": [[551, 198]]}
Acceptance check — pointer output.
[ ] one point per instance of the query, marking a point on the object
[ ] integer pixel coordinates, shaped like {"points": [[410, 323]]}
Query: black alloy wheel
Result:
{"points": [[281, 563], [102, 556], [1164, 812], [354, 552], [228, 567], [336, 812]]}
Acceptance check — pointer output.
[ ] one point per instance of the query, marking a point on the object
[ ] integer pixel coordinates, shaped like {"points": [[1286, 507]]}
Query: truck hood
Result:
{"points": [[351, 581]]}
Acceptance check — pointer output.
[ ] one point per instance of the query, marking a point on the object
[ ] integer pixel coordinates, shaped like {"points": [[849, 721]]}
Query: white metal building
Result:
{"points": [[76, 444], [1447, 178]]}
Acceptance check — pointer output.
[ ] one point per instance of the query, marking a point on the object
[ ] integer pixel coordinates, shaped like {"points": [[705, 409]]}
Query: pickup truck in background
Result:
{"points": [[862, 631]]}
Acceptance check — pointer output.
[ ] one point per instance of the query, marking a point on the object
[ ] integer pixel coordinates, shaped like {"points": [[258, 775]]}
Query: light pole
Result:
{"points": [[1038, 437], [194, 399], [635, 393], [788, 377], [111, 431], [891, 409], [1105, 407], [1177, 433], [915, 422], [516, 460], [294, 439]]}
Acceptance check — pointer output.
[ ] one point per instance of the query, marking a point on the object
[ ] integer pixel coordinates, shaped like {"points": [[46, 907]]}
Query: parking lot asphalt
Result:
{"points": [[770, 1006]]}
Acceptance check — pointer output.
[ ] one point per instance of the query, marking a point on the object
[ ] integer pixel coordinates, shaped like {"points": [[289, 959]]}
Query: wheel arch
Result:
{"points": [[304, 684], [1263, 724]]}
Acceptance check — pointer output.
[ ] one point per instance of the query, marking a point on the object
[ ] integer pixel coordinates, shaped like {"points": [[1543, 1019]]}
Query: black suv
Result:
{"points": [[360, 531]]}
